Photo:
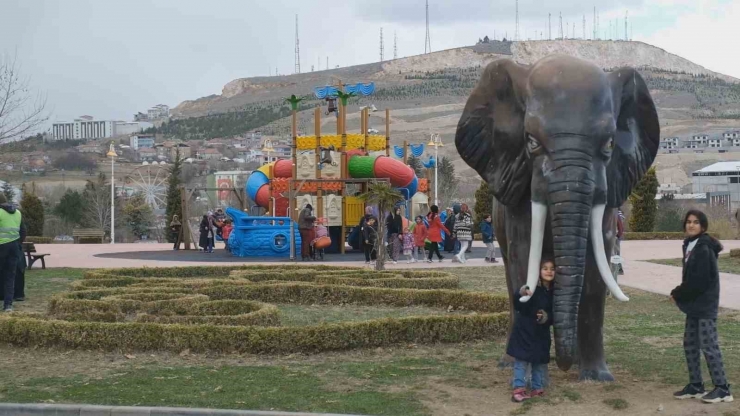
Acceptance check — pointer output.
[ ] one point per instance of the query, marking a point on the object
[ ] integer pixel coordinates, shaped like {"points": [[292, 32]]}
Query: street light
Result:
{"points": [[112, 155], [435, 141]]}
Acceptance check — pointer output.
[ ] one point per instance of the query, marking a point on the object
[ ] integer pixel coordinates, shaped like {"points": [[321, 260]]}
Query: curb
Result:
{"points": [[17, 409]]}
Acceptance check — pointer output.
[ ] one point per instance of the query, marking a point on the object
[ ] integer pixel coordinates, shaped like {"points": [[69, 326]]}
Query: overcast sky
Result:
{"points": [[112, 58]]}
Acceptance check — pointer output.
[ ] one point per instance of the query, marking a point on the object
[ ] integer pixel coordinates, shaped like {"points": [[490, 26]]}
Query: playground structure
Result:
{"points": [[328, 172]]}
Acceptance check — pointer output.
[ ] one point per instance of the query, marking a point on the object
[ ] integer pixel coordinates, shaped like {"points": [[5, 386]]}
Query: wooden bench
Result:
{"points": [[87, 233], [32, 255]]}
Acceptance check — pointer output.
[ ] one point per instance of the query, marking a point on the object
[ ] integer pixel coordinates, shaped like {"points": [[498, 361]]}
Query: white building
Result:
{"points": [[717, 179], [158, 111], [669, 143], [731, 134], [86, 128]]}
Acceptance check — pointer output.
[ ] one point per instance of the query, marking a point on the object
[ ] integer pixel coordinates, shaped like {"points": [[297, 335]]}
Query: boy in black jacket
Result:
{"points": [[698, 298]]}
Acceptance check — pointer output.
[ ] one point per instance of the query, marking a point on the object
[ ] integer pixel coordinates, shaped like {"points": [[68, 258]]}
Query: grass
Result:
{"points": [[643, 340], [726, 263]]}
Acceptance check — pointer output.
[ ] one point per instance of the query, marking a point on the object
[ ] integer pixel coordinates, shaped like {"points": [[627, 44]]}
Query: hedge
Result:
{"points": [[213, 309], [735, 252], [39, 240], [653, 236]]}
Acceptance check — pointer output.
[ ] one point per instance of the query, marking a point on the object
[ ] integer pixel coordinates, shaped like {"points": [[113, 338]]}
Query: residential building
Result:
{"points": [[209, 154], [138, 141], [147, 154], [701, 138], [185, 151], [715, 141], [158, 111], [87, 128], [731, 134], [89, 148], [669, 143]]}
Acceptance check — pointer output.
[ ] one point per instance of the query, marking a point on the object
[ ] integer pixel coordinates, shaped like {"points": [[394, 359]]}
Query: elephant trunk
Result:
{"points": [[570, 189]]}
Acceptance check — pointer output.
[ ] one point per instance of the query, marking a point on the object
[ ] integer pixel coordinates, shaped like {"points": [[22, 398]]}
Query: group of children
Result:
{"points": [[212, 225]]}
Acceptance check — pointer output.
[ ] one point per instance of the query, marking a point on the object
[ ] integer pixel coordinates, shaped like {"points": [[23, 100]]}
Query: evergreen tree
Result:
{"points": [[644, 206], [33, 213], [385, 197], [416, 165], [448, 182], [174, 203], [8, 192], [483, 204], [138, 215], [70, 207]]}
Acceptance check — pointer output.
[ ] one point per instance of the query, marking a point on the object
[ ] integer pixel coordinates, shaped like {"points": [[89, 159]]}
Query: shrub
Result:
{"points": [[202, 309], [735, 252], [39, 240], [653, 236]]}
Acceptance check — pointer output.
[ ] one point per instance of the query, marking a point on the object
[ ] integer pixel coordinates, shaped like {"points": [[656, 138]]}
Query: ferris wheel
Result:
{"points": [[150, 181]]}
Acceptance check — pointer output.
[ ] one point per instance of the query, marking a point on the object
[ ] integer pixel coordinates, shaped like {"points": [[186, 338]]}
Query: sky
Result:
{"points": [[110, 59]]}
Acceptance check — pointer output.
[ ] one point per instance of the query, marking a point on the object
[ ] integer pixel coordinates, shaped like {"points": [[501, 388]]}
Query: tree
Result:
{"points": [[96, 200], [448, 183], [174, 203], [644, 206], [20, 112], [33, 213], [415, 164], [74, 161], [138, 215], [483, 204], [385, 197], [70, 207], [8, 192]]}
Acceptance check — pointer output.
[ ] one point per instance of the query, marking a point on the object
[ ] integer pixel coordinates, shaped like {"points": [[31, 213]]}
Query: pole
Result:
{"points": [[112, 202], [436, 168]]}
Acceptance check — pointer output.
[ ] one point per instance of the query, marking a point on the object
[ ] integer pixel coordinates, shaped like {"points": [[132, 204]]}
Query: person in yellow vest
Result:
{"points": [[10, 233]]}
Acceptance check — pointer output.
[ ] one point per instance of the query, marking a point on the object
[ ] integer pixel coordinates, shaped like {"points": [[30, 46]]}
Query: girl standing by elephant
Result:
{"points": [[529, 343], [698, 298], [463, 232]]}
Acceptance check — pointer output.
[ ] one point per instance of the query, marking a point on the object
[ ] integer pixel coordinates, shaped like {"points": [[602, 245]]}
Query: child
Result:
{"points": [[226, 232], [408, 245], [486, 228], [420, 236], [530, 338], [370, 236]]}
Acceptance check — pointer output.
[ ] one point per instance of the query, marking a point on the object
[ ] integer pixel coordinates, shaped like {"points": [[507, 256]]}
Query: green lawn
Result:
{"points": [[726, 263], [643, 341]]}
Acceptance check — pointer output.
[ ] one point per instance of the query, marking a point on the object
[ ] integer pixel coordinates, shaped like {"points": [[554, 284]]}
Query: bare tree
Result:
{"points": [[97, 203], [21, 111]]}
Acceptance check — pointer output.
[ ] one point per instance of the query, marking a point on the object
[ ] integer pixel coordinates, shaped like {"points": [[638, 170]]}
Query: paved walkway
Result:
{"points": [[639, 274]]}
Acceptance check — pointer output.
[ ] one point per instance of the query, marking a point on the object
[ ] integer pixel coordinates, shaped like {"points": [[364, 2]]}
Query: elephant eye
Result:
{"points": [[532, 144]]}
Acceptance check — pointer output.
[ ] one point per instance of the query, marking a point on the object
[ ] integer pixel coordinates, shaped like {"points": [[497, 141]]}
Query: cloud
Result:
{"points": [[705, 34]]}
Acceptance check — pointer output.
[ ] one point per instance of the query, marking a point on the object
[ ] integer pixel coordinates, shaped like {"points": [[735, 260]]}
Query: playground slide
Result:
{"points": [[360, 167]]}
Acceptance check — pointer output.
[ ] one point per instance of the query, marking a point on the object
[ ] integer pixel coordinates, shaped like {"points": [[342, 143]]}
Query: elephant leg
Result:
{"points": [[592, 363], [512, 225]]}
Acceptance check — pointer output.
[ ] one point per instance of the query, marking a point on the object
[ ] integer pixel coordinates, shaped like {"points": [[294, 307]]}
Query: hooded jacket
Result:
{"points": [[698, 294]]}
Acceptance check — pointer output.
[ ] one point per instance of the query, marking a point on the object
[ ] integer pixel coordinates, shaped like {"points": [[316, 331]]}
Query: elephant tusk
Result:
{"points": [[537, 234], [597, 239]]}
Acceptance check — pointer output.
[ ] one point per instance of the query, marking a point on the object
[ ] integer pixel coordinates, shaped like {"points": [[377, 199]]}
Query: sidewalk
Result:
{"points": [[29, 409], [639, 274]]}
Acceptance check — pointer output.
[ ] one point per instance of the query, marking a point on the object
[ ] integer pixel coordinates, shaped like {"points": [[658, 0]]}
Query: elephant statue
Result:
{"points": [[564, 140]]}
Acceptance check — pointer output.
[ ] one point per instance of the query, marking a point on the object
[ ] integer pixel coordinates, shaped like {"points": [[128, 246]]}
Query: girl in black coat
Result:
{"points": [[698, 297], [530, 339]]}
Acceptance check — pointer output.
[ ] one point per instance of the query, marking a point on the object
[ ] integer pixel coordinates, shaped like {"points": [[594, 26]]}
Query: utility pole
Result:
{"points": [[427, 41], [593, 36], [297, 49], [626, 17], [549, 26], [381, 44], [395, 46], [560, 33]]}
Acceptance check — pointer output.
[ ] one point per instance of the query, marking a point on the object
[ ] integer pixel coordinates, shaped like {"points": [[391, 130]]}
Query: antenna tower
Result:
{"points": [[593, 35], [584, 27], [395, 46], [297, 49], [598, 28], [516, 31], [626, 17], [549, 26], [427, 41], [561, 27], [381, 44]]}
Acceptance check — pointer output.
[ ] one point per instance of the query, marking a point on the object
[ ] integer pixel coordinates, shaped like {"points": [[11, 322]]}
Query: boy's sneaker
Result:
{"points": [[718, 395], [691, 391], [488, 259], [537, 393], [519, 395]]}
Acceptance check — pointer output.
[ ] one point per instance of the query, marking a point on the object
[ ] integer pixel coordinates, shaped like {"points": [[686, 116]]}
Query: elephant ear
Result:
{"points": [[490, 133], [637, 138]]}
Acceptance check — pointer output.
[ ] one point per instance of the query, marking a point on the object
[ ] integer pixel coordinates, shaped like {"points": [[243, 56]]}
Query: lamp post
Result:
{"points": [[435, 141], [112, 155]]}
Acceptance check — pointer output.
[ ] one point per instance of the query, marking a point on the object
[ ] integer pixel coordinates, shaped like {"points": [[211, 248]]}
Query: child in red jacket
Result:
{"points": [[420, 235], [226, 232]]}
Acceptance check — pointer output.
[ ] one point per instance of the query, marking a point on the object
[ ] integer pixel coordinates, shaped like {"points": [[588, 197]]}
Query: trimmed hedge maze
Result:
{"points": [[231, 309]]}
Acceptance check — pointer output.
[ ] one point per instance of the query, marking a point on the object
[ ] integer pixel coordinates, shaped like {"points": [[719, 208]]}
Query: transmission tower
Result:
{"points": [[516, 30], [427, 41], [549, 26], [297, 49], [327, 63], [598, 26], [593, 35], [584, 27], [381, 44], [573, 33], [626, 17], [560, 33], [395, 46]]}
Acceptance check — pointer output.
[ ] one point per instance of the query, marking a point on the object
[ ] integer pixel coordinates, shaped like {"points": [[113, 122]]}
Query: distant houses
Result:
{"points": [[728, 141]]}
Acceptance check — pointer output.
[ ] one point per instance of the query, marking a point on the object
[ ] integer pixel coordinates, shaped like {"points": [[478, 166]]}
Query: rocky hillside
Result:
{"points": [[397, 73]]}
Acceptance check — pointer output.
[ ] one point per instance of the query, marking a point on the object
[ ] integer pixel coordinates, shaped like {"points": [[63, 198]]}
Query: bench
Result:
{"points": [[32, 255], [87, 233]]}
